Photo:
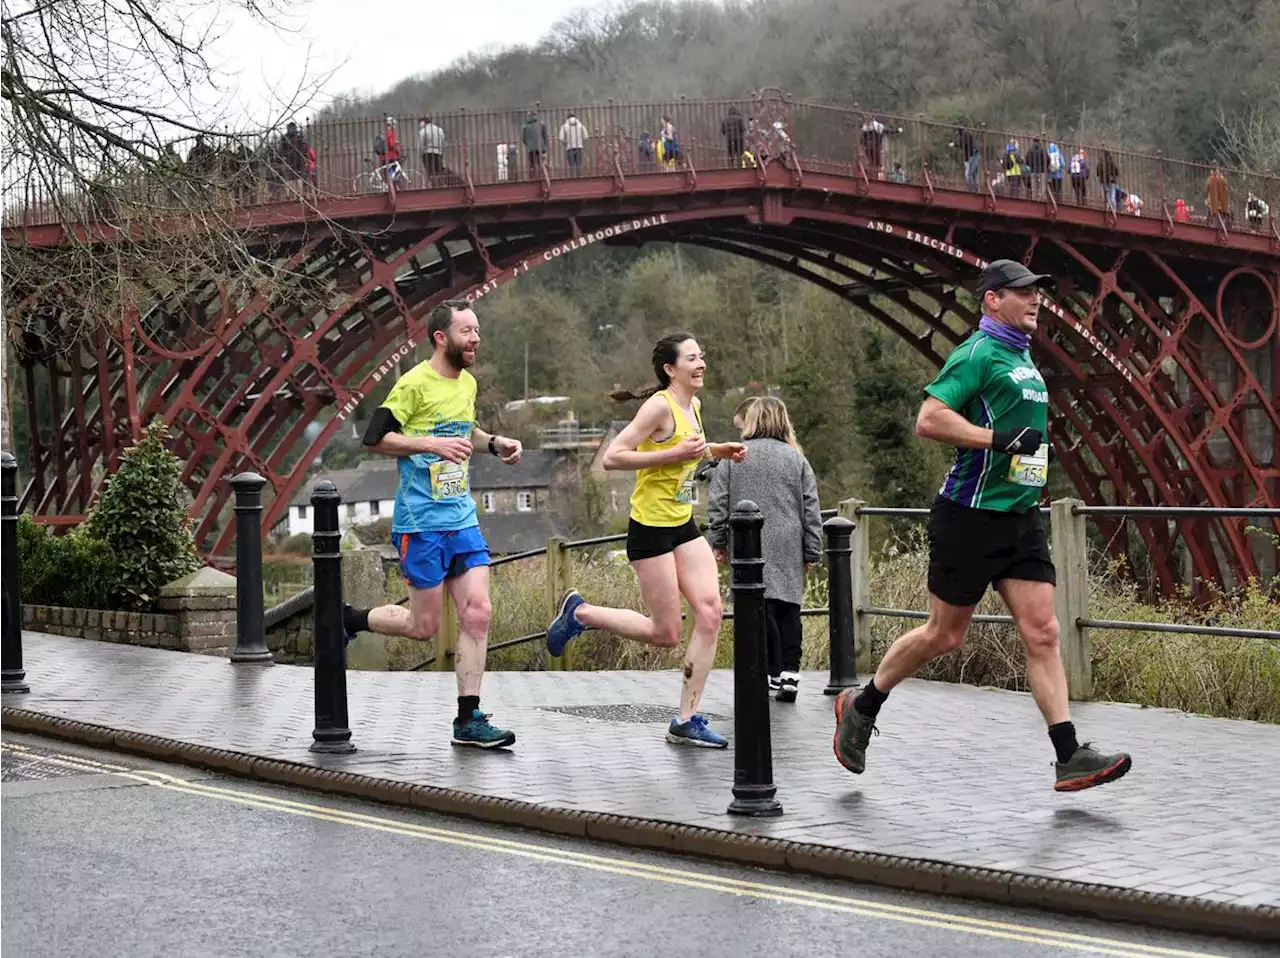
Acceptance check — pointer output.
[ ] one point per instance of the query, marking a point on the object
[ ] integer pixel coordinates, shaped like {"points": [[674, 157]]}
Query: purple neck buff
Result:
{"points": [[1013, 338]]}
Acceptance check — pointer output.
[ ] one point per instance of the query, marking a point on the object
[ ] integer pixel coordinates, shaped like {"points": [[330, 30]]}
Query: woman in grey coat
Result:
{"points": [[776, 477]]}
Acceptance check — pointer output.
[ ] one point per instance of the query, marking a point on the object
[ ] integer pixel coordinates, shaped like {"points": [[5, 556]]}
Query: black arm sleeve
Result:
{"points": [[381, 424]]}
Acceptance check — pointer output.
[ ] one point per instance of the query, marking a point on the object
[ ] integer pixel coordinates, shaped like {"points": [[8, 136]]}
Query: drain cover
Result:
{"points": [[33, 767], [630, 714]]}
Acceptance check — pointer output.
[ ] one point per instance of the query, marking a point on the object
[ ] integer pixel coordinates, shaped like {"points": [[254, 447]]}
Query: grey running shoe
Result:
{"points": [[788, 687], [853, 733], [1088, 767]]}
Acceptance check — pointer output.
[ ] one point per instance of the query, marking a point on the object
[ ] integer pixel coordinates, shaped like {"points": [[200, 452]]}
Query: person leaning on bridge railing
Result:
{"points": [[991, 403]]}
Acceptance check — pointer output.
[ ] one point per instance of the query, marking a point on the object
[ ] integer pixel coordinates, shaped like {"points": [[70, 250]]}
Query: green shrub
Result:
{"points": [[295, 545], [73, 570], [141, 517]]}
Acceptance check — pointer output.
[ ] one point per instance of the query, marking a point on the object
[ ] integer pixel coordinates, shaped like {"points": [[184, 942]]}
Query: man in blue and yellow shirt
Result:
{"points": [[428, 423]]}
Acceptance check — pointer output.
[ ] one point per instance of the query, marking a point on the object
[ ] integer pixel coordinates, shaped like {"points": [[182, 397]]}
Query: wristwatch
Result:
{"points": [[493, 445]]}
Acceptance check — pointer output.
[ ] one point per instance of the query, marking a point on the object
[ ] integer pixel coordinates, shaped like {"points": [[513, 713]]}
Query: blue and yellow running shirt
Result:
{"points": [[434, 494], [999, 387]]}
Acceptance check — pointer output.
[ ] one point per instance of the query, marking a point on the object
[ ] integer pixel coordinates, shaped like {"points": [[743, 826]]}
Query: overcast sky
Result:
{"points": [[373, 45]]}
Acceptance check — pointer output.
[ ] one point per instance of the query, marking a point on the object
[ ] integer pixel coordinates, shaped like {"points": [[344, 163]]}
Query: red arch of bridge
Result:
{"points": [[1142, 294]]}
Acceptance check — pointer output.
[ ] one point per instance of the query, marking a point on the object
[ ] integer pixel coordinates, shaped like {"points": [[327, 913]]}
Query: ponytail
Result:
{"points": [[634, 395]]}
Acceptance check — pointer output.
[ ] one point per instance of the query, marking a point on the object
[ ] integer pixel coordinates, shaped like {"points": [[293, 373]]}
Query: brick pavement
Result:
{"points": [[960, 775]]}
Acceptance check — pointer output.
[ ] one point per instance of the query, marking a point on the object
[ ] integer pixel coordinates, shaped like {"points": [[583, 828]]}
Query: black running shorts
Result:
{"points": [[969, 549], [645, 542]]}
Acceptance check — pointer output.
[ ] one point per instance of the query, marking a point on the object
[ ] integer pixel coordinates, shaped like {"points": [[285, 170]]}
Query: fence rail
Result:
{"points": [[1068, 518], [482, 147]]}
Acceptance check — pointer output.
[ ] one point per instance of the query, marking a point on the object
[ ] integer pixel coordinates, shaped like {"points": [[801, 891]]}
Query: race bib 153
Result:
{"points": [[1030, 469]]}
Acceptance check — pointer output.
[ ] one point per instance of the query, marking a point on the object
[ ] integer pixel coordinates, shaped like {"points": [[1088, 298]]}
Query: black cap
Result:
{"points": [[1008, 274]]}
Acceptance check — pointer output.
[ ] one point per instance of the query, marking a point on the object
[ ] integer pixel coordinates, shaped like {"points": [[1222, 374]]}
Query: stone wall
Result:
{"points": [[157, 630]]}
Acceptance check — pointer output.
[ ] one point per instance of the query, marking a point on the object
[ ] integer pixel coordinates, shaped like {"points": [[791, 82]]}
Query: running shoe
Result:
{"points": [[788, 686], [565, 625], [1088, 767], [775, 683], [478, 732], [694, 732], [853, 733]]}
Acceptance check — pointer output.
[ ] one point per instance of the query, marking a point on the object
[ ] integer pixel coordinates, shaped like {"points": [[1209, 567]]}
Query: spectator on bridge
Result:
{"points": [[898, 175], [1015, 169], [777, 477], [1037, 169], [1078, 170], [1056, 165], [387, 148], [1109, 177], [313, 172], [292, 153], [733, 128], [1219, 198], [200, 156], [1181, 214], [875, 137], [431, 141], [668, 144], [1133, 204], [573, 134], [534, 137], [1255, 210], [970, 150], [646, 151]]}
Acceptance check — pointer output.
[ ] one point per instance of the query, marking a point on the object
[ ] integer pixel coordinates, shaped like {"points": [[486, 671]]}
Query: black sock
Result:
{"points": [[1063, 737], [869, 700], [467, 705], [354, 620]]}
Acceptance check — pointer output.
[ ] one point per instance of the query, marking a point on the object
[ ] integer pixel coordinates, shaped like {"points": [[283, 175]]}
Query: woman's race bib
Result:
{"points": [[448, 479], [1030, 469]]}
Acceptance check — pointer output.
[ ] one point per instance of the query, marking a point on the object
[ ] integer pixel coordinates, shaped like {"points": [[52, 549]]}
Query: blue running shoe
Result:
{"points": [[477, 732], [565, 625], [694, 732]]}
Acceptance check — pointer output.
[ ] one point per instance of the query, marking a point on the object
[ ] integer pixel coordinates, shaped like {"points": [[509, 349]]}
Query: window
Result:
{"points": [[524, 501], [302, 512], [351, 510], [489, 501]]}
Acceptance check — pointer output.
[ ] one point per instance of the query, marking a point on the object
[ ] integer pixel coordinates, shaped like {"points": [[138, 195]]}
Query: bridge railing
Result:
{"points": [[1068, 543], [485, 147]]}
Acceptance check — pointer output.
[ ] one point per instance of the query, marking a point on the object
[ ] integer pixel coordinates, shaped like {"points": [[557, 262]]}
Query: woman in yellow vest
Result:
{"points": [[664, 444]]}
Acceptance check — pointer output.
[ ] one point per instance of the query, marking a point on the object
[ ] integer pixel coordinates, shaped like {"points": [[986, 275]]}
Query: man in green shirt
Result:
{"points": [[990, 402]]}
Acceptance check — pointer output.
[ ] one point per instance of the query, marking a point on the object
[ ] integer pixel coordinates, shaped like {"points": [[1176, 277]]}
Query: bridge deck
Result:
{"points": [[961, 775]]}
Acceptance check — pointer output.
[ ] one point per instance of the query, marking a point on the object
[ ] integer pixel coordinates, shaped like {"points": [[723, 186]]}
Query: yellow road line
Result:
{"points": [[625, 868]]}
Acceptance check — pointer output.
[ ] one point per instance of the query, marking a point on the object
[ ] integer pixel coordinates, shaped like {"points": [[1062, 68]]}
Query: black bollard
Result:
{"points": [[11, 672], [753, 788], [843, 652], [251, 636], [332, 732]]}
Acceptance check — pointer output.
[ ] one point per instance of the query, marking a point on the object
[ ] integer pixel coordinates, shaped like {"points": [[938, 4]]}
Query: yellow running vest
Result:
{"points": [[663, 496]]}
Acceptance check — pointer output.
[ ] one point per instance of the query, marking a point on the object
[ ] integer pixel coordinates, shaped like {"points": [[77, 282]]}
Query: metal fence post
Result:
{"points": [[251, 636], [559, 574], [12, 674], [1071, 597], [332, 732], [753, 788], [843, 650], [860, 579]]}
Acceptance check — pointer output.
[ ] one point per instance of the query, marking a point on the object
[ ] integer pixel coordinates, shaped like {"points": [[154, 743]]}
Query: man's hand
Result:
{"points": [[455, 449], [1016, 441], [721, 556], [509, 450], [689, 449]]}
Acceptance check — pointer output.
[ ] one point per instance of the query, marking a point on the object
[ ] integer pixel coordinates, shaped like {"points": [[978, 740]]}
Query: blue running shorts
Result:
{"points": [[428, 558]]}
